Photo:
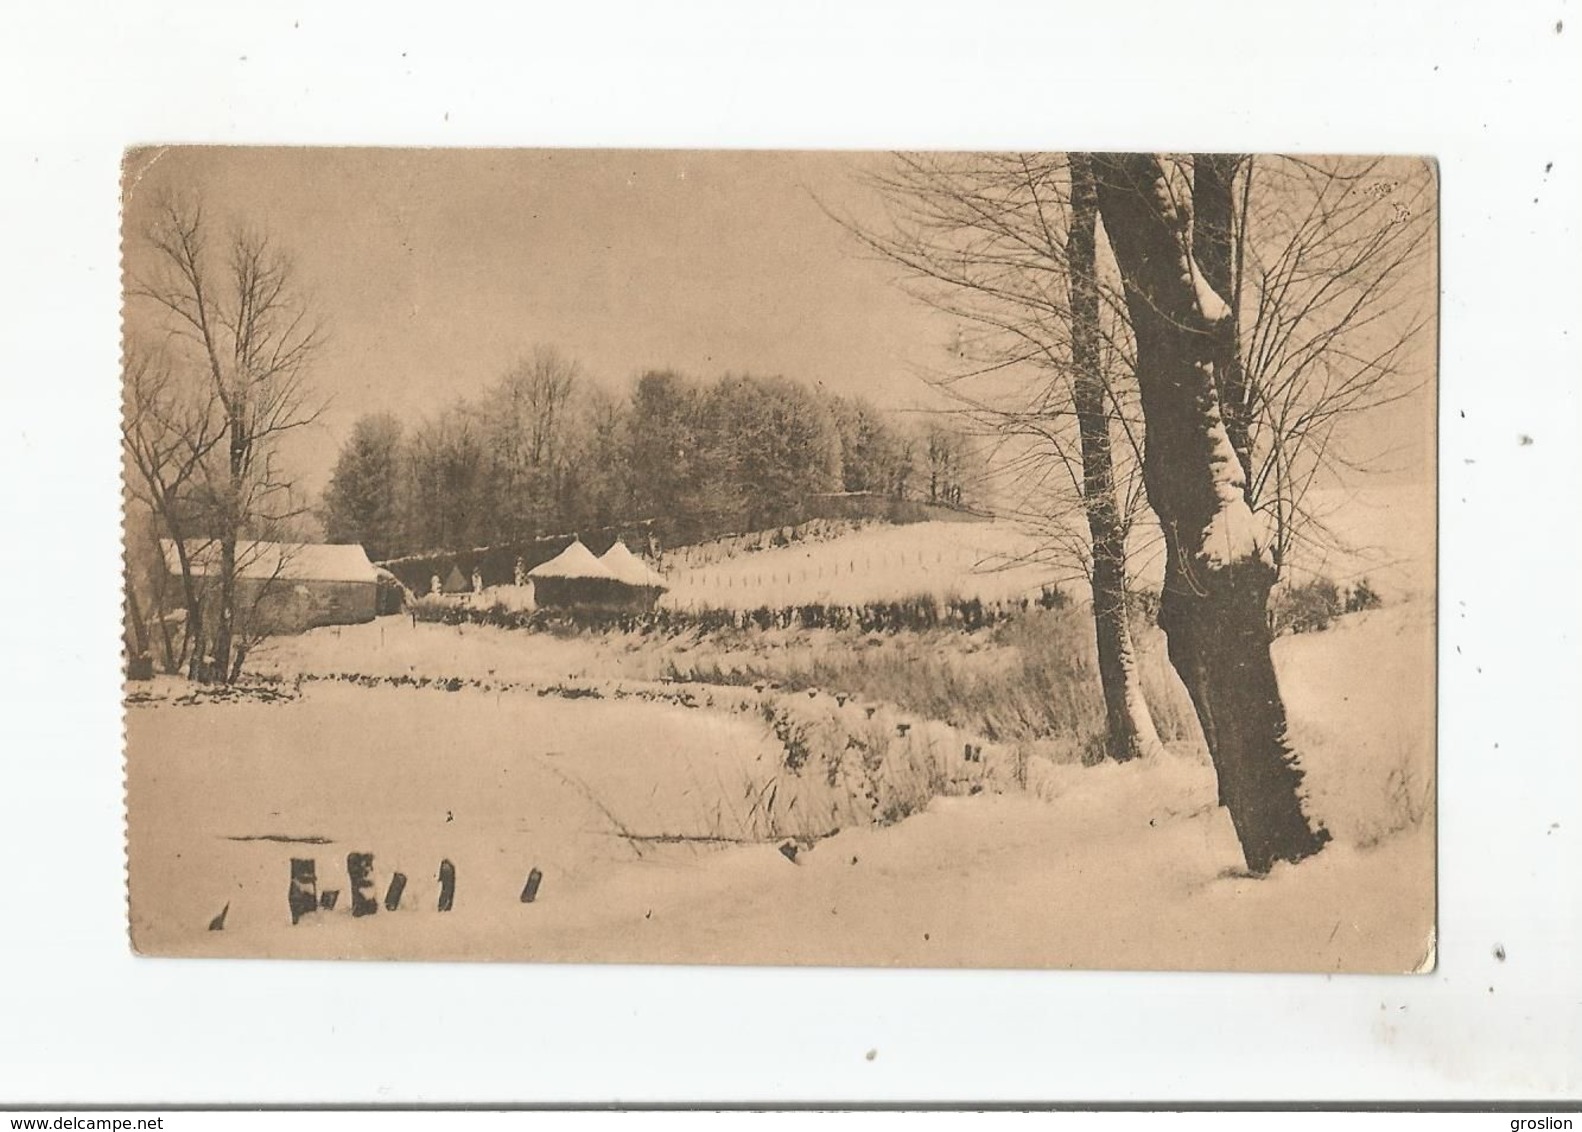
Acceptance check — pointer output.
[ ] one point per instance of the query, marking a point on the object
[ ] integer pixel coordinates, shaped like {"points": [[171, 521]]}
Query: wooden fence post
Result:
{"points": [[302, 897], [393, 893], [530, 890], [359, 867], [447, 886]]}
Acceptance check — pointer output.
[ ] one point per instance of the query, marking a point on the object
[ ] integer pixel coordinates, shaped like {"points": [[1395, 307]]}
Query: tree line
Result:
{"points": [[545, 450]]}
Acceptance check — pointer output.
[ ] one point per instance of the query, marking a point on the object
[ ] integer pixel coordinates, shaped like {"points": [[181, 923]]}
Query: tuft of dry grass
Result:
{"points": [[1402, 798], [1032, 679], [844, 763]]}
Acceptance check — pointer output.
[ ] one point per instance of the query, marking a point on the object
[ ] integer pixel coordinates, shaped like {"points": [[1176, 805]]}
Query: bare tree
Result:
{"points": [[266, 563], [1131, 726], [448, 473], [1315, 259], [527, 421], [1006, 244], [1219, 563], [168, 432], [599, 482], [1322, 268], [239, 338]]}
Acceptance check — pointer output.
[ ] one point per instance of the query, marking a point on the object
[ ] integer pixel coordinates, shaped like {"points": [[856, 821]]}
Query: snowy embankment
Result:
{"points": [[988, 561], [395, 646], [1113, 866], [1382, 532]]}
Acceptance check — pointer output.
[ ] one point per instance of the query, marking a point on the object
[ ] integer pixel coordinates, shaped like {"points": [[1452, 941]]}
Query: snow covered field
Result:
{"points": [[665, 820], [499, 784], [876, 563], [613, 800], [1383, 532]]}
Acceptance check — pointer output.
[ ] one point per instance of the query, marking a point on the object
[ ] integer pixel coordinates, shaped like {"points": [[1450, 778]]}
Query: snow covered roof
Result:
{"points": [[576, 561], [293, 561], [629, 568]]}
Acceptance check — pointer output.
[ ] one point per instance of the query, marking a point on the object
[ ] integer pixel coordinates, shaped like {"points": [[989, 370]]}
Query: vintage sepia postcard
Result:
{"points": [[860, 559]]}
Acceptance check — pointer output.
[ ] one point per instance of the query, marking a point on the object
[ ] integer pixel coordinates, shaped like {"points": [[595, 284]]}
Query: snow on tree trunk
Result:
{"points": [[240, 445], [1214, 242], [1130, 726], [192, 624], [220, 657], [1218, 569]]}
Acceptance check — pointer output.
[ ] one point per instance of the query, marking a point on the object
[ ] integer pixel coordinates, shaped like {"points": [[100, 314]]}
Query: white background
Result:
{"points": [[1491, 89]]}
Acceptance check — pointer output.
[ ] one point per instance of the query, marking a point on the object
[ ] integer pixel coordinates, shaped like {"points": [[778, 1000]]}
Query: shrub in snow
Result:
{"points": [[1363, 597], [1305, 608], [1311, 606]]}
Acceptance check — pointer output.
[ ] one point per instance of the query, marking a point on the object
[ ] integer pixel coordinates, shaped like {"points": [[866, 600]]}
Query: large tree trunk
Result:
{"points": [[1218, 571], [161, 585], [139, 640], [1130, 726], [240, 446], [219, 667], [192, 628], [1214, 245]]}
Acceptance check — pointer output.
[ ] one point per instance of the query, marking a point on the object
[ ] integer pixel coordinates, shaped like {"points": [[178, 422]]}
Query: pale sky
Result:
{"points": [[435, 269]]}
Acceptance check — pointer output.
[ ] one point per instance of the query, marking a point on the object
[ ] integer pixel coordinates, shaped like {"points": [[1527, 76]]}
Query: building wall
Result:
{"points": [[591, 593], [292, 607]]}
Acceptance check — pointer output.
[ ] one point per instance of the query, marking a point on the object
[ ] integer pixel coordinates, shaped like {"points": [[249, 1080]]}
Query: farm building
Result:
{"points": [[290, 586], [504, 563], [634, 572], [392, 596], [574, 578], [455, 582]]}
